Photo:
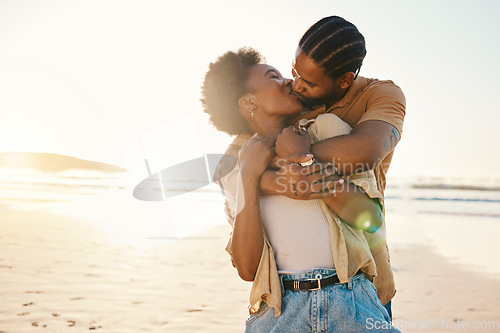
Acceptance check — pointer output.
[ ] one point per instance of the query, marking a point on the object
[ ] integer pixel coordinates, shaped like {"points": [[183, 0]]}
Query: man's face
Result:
{"points": [[311, 84]]}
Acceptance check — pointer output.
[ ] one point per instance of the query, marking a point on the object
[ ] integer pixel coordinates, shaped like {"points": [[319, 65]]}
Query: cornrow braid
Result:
{"points": [[334, 44]]}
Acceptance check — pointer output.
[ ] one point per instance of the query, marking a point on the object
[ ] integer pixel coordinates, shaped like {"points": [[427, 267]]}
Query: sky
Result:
{"points": [[119, 81]]}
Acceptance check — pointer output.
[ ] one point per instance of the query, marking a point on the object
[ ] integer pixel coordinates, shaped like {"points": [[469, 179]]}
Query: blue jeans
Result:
{"points": [[349, 307], [388, 307]]}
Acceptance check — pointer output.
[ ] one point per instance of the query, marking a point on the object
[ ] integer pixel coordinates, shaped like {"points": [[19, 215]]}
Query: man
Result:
{"points": [[325, 70], [329, 56]]}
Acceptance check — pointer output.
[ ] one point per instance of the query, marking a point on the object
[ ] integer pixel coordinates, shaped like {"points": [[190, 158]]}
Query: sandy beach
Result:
{"points": [[61, 273]]}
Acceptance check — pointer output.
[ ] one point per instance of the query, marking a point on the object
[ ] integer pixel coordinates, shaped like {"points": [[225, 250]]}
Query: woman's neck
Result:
{"points": [[270, 128]]}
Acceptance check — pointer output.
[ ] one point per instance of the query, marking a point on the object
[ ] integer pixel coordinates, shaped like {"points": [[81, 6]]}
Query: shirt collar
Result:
{"points": [[356, 86]]}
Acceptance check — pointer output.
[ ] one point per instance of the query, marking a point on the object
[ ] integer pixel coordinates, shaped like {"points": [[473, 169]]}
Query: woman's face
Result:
{"points": [[272, 92]]}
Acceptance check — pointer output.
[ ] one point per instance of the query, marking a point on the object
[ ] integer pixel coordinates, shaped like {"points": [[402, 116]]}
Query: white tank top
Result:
{"points": [[298, 232]]}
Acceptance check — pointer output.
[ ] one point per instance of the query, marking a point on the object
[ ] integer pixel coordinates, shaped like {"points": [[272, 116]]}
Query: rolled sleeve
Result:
{"points": [[367, 181]]}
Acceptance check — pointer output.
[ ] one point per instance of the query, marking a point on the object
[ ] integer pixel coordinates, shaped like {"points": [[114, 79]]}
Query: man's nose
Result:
{"points": [[287, 82], [298, 85]]}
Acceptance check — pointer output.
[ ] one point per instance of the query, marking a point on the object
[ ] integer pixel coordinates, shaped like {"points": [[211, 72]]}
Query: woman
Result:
{"points": [[309, 262]]}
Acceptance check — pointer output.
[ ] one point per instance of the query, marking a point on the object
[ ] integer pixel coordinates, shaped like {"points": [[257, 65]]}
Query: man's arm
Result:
{"points": [[356, 208], [350, 202], [299, 182], [361, 150]]}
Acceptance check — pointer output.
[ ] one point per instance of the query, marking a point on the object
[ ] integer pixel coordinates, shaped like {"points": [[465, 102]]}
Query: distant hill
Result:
{"points": [[46, 162]]}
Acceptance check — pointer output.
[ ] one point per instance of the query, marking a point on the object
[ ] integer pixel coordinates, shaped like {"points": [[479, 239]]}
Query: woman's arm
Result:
{"points": [[248, 239]]}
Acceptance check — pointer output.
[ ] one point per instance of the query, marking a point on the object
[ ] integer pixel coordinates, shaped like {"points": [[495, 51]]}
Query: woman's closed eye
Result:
{"points": [[274, 75]]}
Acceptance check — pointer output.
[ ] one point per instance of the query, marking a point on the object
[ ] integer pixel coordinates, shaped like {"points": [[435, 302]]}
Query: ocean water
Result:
{"points": [[106, 200], [461, 222], [59, 192], [31, 189], [448, 199]]}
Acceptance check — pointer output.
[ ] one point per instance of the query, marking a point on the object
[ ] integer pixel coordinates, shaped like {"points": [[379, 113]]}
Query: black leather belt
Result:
{"points": [[311, 284]]}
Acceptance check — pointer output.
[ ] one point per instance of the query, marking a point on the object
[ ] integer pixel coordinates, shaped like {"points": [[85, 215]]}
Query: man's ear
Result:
{"points": [[346, 80], [247, 103]]}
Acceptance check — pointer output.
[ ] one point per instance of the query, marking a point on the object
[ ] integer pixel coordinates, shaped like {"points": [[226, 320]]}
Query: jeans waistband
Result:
{"points": [[312, 274]]}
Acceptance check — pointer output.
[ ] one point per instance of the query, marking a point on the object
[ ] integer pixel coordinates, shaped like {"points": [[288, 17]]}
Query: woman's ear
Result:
{"points": [[247, 103]]}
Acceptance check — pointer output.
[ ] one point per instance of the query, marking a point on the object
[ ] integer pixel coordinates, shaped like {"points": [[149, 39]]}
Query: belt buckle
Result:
{"points": [[319, 284]]}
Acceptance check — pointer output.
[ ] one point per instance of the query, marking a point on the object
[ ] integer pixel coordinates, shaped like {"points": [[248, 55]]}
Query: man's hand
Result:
{"points": [[315, 181], [292, 142], [277, 162]]}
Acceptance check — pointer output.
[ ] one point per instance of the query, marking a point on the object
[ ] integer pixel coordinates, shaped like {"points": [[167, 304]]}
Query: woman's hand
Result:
{"points": [[255, 156], [293, 142]]}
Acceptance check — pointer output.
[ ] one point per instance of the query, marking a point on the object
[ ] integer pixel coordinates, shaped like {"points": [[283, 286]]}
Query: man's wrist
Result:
{"points": [[268, 182]]}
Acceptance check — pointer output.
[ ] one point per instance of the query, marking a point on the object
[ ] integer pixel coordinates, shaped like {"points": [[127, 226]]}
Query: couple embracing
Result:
{"points": [[304, 182]]}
